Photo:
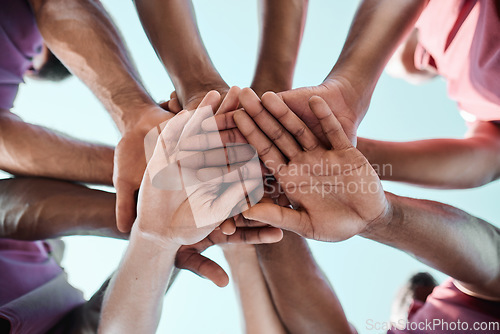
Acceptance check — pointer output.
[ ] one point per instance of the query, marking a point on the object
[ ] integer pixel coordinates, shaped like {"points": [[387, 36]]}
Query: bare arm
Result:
{"points": [[172, 30], [378, 28], [259, 312], [27, 149], [305, 301], [83, 37], [440, 163], [35, 209], [446, 238], [282, 27], [69, 28]]}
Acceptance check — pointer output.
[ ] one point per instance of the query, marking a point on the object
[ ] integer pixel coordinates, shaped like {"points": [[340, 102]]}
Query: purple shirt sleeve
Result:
{"points": [[20, 40]]}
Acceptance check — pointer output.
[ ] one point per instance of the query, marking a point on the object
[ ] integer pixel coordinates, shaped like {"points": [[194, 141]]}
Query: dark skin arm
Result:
{"points": [[377, 29], [302, 295], [31, 150], [439, 163], [69, 28], [172, 30], [281, 30], [37, 209]]}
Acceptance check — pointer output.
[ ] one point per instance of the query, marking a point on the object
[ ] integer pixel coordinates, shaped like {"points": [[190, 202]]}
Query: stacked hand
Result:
{"points": [[178, 205], [336, 192], [347, 104]]}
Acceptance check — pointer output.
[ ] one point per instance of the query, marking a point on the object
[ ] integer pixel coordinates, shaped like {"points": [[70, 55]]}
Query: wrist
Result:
{"points": [[102, 166], [188, 87], [263, 84], [359, 85], [145, 120], [142, 237], [382, 228], [272, 79], [357, 97]]}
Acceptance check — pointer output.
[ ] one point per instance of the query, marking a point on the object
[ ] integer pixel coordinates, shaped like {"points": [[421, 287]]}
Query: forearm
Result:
{"points": [[172, 30], [282, 27], [258, 309], [31, 150], [446, 238], [305, 301], [36, 209], [134, 298], [83, 37], [438, 163], [377, 29]]}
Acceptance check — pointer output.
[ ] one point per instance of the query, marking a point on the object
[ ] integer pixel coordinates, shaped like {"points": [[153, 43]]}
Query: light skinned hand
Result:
{"points": [[184, 210]]}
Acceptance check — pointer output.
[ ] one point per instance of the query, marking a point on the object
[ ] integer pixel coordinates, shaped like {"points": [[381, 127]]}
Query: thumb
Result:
{"points": [[126, 206], [277, 216]]}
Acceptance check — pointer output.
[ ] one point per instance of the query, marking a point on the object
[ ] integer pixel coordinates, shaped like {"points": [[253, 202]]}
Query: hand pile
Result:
{"points": [[204, 184]]}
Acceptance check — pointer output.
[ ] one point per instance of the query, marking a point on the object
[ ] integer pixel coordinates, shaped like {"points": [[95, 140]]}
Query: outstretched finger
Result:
{"points": [[235, 173], [205, 110], [267, 151], [230, 102], [268, 124], [329, 123], [225, 156], [278, 216], [292, 123], [219, 122], [210, 140]]}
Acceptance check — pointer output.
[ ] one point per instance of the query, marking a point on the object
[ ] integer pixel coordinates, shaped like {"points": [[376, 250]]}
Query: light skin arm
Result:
{"points": [[31, 150], [439, 163], [259, 312], [305, 301], [37, 209], [172, 30], [281, 30], [138, 287]]}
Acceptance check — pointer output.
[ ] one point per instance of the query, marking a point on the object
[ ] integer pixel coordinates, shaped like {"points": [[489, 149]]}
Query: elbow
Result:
{"points": [[48, 12]]}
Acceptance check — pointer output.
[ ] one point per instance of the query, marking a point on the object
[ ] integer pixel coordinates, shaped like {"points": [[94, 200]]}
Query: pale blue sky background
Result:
{"points": [[365, 275]]}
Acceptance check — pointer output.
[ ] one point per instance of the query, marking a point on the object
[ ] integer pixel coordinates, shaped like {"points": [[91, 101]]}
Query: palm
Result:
{"points": [[174, 204], [338, 194], [170, 216], [335, 191]]}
